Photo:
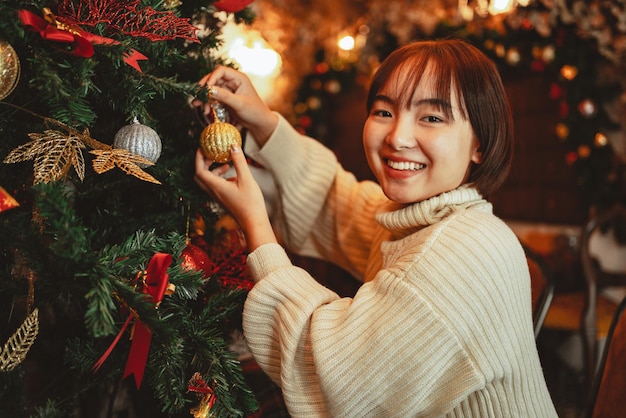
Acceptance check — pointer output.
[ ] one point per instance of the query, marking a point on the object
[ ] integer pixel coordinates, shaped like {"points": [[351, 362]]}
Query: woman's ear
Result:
{"points": [[477, 157], [477, 154]]}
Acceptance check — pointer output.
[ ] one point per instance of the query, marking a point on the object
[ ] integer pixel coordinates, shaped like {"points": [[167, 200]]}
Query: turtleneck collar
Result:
{"points": [[404, 220]]}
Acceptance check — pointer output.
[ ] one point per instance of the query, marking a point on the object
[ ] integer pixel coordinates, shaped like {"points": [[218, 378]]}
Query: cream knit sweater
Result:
{"points": [[442, 325]]}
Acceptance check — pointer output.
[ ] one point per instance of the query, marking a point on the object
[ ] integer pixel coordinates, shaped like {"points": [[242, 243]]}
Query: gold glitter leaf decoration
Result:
{"points": [[17, 347], [53, 152], [127, 161]]}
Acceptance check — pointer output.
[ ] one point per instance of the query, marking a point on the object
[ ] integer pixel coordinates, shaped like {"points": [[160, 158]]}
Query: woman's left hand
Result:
{"points": [[241, 196]]}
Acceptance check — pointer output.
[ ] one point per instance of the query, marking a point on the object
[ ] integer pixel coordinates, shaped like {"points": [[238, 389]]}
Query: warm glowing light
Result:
{"points": [[468, 8], [569, 72], [256, 59], [501, 6], [562, 131], [346, 43], [584, 151], [253, 55], [600, 140]]}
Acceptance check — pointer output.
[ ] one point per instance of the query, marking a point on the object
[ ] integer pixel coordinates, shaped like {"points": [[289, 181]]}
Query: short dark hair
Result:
{"points": [[479, 89]]}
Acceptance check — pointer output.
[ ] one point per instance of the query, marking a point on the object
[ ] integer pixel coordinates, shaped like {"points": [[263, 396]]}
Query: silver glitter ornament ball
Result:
{"points": [[139, 139]]}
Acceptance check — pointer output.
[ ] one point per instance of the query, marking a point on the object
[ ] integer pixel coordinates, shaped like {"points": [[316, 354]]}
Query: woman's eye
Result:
{"points": [[382, 113], [432, 119]]}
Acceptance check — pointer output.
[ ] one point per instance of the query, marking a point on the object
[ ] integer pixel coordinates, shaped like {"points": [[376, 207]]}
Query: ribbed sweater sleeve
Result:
{"points": [[318, 200]]}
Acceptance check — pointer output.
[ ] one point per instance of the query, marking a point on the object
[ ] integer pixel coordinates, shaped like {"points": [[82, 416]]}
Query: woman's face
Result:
{"points": [[418, 153]]}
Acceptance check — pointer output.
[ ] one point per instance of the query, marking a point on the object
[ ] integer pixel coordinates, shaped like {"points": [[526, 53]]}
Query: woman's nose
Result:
{"points": [[402, 135]]}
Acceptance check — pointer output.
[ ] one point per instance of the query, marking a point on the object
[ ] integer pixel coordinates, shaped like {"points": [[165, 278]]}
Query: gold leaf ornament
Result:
{"points": [[16, 348], [127, 161], [53, 153]]}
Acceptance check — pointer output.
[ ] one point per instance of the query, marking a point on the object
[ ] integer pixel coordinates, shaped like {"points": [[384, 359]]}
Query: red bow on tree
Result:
{"points": [[155, 284]]}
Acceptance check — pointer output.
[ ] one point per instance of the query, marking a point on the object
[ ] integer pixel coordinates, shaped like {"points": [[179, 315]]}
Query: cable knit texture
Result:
{"points": [[442, 325]]}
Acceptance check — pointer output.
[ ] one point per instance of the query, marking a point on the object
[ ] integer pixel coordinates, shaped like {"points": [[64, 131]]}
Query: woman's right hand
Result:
{"points": [[235, 90]]}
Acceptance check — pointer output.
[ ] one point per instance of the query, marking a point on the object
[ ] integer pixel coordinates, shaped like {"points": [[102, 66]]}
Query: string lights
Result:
{"points": [[483, 8]]}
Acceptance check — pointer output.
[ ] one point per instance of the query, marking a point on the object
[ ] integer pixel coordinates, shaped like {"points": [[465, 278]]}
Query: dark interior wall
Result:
{"points": [[542, 186]]}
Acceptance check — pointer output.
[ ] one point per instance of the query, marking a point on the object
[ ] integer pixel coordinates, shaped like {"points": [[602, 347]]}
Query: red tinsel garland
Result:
{"points": [[228, 260], [125, 18]]}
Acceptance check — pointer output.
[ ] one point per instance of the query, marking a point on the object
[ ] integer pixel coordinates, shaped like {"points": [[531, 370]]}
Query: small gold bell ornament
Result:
{"points": [[218, 137]]}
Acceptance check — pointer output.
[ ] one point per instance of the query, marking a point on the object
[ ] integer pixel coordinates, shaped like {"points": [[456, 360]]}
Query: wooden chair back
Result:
{"points": [[542, 287], [608, 398], [596, 278]]}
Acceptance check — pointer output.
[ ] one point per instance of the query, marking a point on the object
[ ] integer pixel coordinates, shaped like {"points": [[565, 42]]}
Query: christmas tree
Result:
{"points": [[120, 282]]}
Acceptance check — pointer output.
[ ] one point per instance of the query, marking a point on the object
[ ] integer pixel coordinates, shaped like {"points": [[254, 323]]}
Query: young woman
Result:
{"points": [[442, 324]]}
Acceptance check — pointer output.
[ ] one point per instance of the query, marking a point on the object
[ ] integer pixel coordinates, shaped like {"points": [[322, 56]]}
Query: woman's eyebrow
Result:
{"points": [[383, 98], [432, 102]]}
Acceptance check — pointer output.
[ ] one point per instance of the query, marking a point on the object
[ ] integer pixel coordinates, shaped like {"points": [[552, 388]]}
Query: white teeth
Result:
{"points": [[405, 165]]}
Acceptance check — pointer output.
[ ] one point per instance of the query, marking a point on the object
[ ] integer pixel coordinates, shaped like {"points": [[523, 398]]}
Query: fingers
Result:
{"points": [[223, 76], [202, 163], [209, 178], [240, 163]]}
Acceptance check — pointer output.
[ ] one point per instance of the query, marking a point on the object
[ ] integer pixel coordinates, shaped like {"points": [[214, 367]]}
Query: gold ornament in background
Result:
{"points": [[218, 138], [172, 4], [9, 69]]}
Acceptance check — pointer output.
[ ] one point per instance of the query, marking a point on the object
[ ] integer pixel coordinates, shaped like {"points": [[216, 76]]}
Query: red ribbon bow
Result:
{"points": [[155, 285], [81, 40]]}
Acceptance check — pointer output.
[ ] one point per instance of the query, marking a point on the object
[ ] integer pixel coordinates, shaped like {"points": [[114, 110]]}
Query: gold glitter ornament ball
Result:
{"points": [[217, 139], [9, 69]]}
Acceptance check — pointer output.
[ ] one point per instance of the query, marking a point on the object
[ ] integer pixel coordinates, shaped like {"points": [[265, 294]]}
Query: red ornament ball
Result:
{"points": [[232, 6], [195, 258]]}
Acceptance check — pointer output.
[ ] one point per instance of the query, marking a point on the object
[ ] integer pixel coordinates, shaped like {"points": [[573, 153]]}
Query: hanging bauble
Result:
{"points": [[232, 6], [195, 258], [219, 137], [9, 69], [139, 139]]}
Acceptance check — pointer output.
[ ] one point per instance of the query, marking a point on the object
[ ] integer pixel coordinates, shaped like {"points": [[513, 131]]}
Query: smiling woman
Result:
{"points": [[456, 136], [444, 280]]}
